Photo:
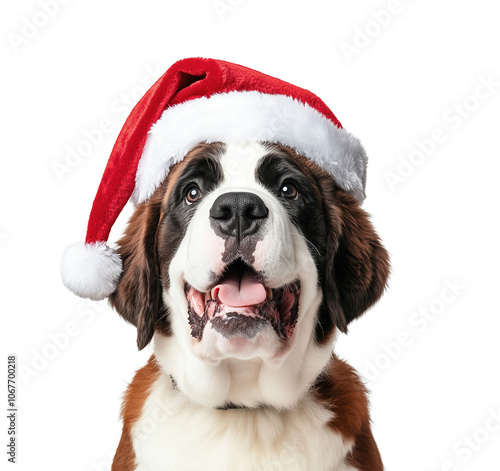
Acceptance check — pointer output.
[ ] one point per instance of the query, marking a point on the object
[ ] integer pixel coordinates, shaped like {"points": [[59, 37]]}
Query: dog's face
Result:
{"points": [[242, 265]]}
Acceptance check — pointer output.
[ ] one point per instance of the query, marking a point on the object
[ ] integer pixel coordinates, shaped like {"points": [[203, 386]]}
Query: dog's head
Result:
{"points": [[242, 266]]}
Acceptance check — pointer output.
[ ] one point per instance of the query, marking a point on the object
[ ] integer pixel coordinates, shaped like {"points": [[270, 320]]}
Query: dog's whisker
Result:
{"points": [[294, 234]]}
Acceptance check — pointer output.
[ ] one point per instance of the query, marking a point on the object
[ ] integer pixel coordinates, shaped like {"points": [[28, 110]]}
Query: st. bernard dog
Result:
{"points": [[242, 267]]}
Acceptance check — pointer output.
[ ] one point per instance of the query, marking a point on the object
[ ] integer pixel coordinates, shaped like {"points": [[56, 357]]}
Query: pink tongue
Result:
{"points": [[236, 293]]}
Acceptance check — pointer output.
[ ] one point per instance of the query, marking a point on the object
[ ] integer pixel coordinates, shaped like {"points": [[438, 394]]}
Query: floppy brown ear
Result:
{"points": [[138, 295], [357, 265]]}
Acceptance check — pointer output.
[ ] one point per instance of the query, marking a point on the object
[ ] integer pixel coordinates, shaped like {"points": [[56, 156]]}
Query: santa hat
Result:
{"points": [[203, 100]]}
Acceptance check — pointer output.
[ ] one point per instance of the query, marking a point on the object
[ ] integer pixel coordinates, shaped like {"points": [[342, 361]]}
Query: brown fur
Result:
{"points": [[138, 295], [365, 455], [340, 390], [357, 263], [133, 402]]}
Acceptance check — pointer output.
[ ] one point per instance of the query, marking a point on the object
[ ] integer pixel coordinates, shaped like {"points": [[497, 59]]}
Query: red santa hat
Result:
{"points": [[203, 100]]}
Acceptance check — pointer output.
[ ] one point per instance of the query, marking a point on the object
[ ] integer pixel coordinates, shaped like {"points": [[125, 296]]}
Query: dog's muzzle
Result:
{"points": [[239, 304]]}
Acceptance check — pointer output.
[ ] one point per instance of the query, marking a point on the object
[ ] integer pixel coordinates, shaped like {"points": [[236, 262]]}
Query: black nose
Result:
{"points": [[238, 214]]}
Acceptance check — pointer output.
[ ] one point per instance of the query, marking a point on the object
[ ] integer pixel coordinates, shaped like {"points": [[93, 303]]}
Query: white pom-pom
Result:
{"points": [[91, 270]]}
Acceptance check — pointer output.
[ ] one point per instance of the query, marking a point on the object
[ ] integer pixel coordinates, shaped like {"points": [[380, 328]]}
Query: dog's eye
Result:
{"points": [[193, 194], [289, 190]]}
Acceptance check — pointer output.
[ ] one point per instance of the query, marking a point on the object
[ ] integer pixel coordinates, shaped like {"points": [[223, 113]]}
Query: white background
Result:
{"points": [[434, 380]]}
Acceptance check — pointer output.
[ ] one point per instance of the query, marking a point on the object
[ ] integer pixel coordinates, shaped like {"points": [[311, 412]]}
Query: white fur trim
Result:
{"points": [[91, 270], [250, 117]]}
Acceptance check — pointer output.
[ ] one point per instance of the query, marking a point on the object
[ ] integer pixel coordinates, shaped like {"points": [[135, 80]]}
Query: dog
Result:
{"points": [[243, 266], [247, 253]]}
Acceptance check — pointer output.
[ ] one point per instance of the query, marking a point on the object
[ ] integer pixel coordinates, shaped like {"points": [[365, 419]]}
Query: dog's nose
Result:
{"points": [[238, 214]]}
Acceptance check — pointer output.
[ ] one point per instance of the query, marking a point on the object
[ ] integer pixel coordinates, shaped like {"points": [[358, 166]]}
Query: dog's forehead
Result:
{"points": [[239, 163]]}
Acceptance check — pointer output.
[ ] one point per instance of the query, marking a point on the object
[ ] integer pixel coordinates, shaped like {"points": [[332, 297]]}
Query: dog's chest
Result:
{"points": [[175, 435]]}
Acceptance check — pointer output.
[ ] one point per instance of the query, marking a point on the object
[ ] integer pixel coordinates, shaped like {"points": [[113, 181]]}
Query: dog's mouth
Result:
{"points": [[240, 305]]}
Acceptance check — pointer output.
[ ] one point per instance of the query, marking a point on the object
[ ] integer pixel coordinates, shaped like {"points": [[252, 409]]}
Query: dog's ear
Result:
{"points": [[137, 297], [357, 265]]}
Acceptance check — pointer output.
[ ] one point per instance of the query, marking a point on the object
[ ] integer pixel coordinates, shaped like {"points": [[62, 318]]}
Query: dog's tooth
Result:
{"points": [[269, 293]]}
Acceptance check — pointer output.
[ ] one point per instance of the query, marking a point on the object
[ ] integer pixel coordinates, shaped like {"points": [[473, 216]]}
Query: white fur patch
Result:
{"points": [[175, 434], [250, 117]]}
